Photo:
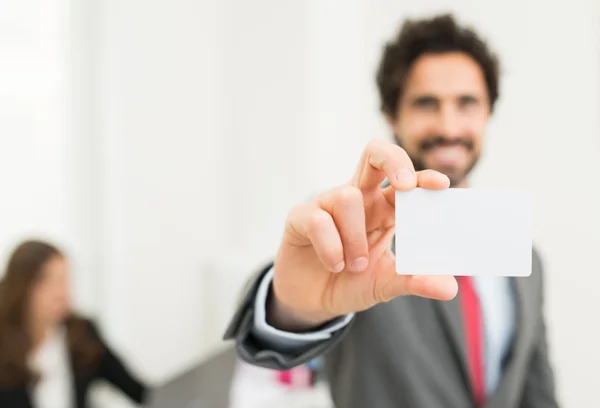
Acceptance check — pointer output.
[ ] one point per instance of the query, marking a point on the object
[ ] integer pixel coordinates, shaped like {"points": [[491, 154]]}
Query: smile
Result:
{"points": [[448, 155]]}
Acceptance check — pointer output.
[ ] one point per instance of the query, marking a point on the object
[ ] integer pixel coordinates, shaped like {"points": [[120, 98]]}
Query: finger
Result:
{"points": [[382, 159], [432, 287], [429, 179], [346, 206], [432, 180], [317, 227]]}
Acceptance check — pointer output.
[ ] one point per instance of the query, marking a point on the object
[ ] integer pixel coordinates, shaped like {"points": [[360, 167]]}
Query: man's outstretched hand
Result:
{"points": [[335, 256]]}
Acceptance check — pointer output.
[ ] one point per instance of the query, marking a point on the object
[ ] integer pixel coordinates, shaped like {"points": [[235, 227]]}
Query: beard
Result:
{"points": [[456, 174]]}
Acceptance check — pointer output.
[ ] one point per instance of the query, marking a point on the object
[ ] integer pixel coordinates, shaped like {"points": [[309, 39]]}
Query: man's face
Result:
{"points": [[442, 114]]}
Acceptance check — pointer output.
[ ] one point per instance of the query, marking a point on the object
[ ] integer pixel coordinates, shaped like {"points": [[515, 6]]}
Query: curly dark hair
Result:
{"points": [[438, 34]]}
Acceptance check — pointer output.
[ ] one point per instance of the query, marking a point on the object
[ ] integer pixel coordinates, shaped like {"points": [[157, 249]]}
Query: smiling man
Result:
{"points": [[394, 341], [438, 84]]}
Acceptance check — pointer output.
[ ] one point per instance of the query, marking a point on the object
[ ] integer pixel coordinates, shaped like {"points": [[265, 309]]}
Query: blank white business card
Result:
{"points": [[464, 232]]}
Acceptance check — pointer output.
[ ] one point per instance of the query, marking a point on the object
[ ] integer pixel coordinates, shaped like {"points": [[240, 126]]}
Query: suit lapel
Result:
{"points": [[451, 319], [524, 318]]}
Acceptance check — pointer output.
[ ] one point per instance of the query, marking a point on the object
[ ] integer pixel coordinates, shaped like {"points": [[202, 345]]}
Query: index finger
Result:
{"points": [[381, 159]]}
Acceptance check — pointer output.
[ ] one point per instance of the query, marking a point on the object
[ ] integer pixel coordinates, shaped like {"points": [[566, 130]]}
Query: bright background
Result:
{"points": [[162, 144]]}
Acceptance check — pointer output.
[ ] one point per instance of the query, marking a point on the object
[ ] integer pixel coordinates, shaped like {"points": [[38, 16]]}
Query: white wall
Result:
{"points": [[42, 169], [159, 149]]}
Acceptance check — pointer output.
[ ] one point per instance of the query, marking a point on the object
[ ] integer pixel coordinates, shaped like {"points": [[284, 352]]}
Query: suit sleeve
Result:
{"points": [[280, 340], [264, 346], [114, 371], [540, 388]]}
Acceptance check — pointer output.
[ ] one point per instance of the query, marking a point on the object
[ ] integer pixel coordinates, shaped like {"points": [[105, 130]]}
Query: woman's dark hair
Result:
{"points": [[439, 34], [23, 270]]}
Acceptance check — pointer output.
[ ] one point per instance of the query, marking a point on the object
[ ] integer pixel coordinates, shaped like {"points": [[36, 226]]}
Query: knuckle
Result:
{"points": [[348, 196], [373, 143], [382, 293], [377, 144], [296, 211], [317, 220]]}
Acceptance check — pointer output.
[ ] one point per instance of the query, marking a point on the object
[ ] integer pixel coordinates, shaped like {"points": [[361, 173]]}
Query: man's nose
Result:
{"points": [[449, 123]]}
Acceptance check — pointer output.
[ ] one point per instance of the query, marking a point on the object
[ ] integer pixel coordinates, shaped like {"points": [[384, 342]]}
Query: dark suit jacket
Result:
{"points": [[410, 353], [110, 369]]}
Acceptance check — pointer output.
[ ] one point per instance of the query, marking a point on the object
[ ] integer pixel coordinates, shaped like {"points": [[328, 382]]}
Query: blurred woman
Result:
{"points": [[49, 356]]}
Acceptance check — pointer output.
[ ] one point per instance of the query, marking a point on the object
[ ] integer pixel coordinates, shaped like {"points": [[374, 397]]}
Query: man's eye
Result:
{"points": [[467, 101], [426, 103]]}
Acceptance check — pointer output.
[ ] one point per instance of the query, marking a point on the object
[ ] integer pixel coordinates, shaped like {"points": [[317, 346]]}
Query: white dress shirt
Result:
{"points": [[51, 361], [498, 309]]}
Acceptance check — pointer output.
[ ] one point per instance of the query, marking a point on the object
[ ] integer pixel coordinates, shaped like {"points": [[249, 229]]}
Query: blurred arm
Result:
{"points": [[114, 371], [282, 341], [262, 345]]}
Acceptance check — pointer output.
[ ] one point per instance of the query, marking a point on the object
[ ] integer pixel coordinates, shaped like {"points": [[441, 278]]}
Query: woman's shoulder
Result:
{"points": [[83, 324], [86, 343]]}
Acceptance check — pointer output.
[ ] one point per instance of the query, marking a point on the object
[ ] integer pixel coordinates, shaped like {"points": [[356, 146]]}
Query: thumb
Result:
{"points": [[432, 287]]}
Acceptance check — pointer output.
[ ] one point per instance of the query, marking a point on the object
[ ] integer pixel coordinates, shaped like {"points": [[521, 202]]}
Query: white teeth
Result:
{"points": [[448, 155]]}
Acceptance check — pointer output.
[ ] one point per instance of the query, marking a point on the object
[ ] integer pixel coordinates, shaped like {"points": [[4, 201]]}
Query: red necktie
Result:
{"points": [[473, 325]]}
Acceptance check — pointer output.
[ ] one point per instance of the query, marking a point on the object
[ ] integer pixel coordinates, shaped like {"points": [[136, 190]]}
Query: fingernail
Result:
{"points": [[359, 264], [339, 267], [406, 176]]}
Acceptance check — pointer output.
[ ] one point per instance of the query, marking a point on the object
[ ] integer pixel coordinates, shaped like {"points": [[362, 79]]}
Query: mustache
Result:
{"points": [[441, 141]]}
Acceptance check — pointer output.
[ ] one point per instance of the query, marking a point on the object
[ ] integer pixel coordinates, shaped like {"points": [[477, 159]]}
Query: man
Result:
{"points": [[391, 340]]}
